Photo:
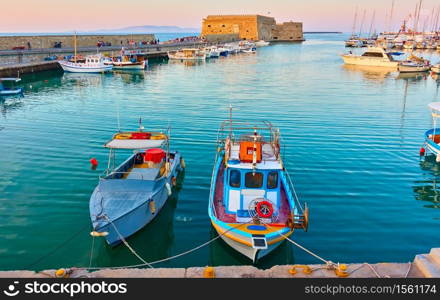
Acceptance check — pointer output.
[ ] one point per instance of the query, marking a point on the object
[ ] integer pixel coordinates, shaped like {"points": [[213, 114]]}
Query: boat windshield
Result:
{"points": [[253, 180], [372, 54]]}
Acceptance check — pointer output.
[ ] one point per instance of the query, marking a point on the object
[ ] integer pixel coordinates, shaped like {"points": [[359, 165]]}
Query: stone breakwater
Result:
{"points": [[423, 266]]}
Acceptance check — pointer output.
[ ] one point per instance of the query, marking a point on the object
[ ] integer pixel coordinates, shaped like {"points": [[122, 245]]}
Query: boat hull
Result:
{"points": [[243, 244], [72, 68], [413, 69], [430, 144], [11, 92], [130, 66], [362, 61]]}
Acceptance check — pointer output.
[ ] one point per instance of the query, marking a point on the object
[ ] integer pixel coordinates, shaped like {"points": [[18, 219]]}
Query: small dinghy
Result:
{"points": [[130, 195], [10, 91], [252, 204]]}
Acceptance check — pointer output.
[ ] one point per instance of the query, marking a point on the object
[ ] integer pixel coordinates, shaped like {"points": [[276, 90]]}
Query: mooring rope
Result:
{"points": [[126, 243], [58, 247], [165, 259]]}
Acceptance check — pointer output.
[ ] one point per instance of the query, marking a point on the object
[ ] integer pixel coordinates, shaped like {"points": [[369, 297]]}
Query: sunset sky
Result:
{"points": [[89, 15]]}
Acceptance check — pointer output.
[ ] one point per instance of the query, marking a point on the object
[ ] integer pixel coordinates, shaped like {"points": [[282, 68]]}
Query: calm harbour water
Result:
{"points": [[351, 136]]}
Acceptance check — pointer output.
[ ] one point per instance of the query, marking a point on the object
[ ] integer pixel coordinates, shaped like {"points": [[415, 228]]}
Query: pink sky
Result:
{"points": [[89, 15]]}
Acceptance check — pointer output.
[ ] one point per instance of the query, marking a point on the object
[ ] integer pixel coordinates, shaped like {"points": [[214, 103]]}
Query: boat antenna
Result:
{"points": [[230, 121], [254, 153], [141, 127], [117, 115]]}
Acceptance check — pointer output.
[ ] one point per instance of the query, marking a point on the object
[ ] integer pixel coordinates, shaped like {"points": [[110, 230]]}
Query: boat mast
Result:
{"points": [[74, 45], [390, 25], [362, 22], [371, 24], [354, 22]]}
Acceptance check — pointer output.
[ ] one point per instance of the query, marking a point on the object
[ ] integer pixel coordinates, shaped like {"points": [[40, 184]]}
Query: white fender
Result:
{"points": [[167, 185]]}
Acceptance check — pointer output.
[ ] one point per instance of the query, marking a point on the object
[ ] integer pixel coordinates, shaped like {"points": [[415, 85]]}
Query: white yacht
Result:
{"points": [[373, 56], [92, 64]]}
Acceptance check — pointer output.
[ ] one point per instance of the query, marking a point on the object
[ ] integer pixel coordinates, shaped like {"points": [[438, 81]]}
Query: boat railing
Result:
{"points": [[291, 186], [120, 175]]}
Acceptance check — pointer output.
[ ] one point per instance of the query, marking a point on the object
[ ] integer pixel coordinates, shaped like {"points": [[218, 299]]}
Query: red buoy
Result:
{"points": [[422, 151], [94, 161]]}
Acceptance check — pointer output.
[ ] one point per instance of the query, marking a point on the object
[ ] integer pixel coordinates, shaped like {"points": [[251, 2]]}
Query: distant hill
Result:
{"points": [[150, 29]]}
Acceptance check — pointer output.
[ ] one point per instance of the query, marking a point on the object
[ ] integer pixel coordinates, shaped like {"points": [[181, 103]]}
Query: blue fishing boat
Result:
{"points": [[432, 136], [10, 91], [253, 205], [130, 195]]}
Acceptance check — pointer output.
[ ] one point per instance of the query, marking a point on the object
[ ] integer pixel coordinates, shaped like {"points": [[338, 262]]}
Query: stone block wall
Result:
{"points": [[288, 31], [9, 42]]}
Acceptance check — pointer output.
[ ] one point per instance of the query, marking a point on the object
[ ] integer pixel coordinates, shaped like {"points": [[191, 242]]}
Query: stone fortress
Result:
{"points": [[250, 27]]}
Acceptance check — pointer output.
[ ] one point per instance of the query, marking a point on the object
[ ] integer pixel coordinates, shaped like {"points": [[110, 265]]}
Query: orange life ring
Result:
{"points": [[264, 209]]}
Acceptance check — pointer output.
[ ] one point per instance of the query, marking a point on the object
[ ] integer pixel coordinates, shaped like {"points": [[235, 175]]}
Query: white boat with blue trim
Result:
{"points": [[432, 136], [129, 196], [252, 203], [10, 91]]}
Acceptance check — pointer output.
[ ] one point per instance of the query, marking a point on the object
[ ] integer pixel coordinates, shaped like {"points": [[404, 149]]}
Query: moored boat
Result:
{"points": [[187, 54], [92, 64], [130, 195], [432, 136], [252, 202], [10, 91], [414, 64], [261, 43]]}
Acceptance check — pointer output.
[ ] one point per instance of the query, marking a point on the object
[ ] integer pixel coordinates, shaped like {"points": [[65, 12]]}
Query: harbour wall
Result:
{"points": [[17, 62], [48, 41], [423, 266]]}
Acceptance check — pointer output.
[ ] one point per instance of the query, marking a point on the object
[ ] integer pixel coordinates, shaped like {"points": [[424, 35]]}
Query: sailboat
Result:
{"points": [[91, 63]]}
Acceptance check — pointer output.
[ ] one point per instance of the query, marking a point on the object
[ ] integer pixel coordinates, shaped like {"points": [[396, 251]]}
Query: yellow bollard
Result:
{"points": [[61, 273], [305, 269], [341, 270], [209, 272]]}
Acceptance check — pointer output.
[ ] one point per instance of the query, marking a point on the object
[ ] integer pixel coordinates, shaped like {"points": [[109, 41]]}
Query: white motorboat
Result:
{"points": [[212, 52], [436, 68], [261, 43], [187, 54], [373, 56], [92, 64]]}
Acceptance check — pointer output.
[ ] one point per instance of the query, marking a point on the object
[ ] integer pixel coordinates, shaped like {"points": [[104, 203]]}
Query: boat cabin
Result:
{"points": [[251, 173], [377, 52]]}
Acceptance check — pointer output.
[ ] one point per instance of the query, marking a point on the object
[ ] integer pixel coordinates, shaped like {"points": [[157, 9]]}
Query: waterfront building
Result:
{"points": [[251, 27]]}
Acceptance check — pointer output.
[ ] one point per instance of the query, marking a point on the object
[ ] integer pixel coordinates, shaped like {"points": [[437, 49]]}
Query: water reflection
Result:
{"points": [[132, 76], [416, 76], [370, 72], [186, 63], [10, 104], [429, 190], [83, 79]]}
